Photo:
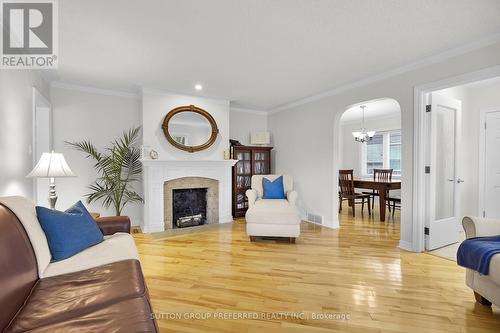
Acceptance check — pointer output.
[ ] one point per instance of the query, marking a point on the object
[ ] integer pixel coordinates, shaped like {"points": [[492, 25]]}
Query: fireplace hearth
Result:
{"points": [[189, 207]]}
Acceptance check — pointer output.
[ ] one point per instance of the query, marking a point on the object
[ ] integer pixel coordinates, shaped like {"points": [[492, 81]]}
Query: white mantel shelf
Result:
{"points": [[157, 172], [209, 163]]}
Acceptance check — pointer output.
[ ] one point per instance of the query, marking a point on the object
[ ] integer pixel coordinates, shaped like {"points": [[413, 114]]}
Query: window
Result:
{"points": [[395, 152], [375, 153], [383, 151]]}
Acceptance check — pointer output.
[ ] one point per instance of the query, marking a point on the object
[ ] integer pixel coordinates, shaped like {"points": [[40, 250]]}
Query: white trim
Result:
{"points": [[489, 40], [93, 90], [482, 157], [419, 138], [243, 110], [329, 225], [154, 91], [404, 245]]}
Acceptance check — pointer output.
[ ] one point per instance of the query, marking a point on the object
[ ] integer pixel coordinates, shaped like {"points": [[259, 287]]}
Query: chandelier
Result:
{"points": [[363, 135]]}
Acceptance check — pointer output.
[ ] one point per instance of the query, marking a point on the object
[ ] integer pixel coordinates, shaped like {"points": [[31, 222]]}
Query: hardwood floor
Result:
{"points": [[356, 271]]}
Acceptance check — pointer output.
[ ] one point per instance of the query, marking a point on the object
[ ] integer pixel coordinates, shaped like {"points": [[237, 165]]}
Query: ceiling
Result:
{"points": [[381, 108], [260, 54]]}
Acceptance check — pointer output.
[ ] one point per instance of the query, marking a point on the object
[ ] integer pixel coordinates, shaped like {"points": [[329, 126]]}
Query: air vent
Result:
{"points": [[315, 218]]}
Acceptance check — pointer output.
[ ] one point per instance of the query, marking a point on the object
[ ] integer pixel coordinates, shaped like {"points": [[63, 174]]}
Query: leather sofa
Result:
{"points": [[486, 287], [99, 295], [272, 217]]}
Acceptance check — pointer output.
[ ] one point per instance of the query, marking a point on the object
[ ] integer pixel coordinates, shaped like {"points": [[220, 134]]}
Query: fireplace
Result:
{"points": [[189, 207], [190, 201]]}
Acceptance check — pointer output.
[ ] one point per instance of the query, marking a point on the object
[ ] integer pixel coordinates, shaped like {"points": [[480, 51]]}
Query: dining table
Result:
{"points": [[381, 186]]}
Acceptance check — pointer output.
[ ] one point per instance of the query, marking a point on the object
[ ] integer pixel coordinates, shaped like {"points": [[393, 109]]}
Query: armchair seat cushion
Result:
{"points": [[117, 247], [273, 211]]}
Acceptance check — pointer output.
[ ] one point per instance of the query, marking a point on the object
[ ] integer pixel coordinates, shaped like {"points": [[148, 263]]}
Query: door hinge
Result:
{"points": [[484, 213], [485, 125], [428, 108], [426, 231], [427, 169]]}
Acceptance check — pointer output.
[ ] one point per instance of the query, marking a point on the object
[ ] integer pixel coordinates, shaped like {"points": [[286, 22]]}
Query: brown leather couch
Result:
{"points": [[108, 298]]}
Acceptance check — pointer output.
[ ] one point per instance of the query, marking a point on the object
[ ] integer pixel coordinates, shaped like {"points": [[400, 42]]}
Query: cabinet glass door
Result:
{"points": [[243, 177], [261, 162]]}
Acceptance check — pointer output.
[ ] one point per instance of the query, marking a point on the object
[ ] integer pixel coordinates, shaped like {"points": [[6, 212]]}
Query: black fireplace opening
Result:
{"points": [[189, 207]]}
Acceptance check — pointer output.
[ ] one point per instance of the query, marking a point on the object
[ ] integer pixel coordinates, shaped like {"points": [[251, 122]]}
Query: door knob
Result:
{"points": [[460, 180], [450, 180]]}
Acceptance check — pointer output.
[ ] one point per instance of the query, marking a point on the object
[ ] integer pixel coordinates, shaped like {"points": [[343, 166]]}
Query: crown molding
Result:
{"points": [[439, 57], [93, 90], [153, 91], [244, 110]]}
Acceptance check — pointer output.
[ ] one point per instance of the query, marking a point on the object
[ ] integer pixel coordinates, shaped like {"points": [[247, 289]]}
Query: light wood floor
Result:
{"points": [[356, 270]]}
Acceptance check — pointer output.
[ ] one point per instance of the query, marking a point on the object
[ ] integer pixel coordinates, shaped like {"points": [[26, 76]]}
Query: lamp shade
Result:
{"points": [[51, 165]]}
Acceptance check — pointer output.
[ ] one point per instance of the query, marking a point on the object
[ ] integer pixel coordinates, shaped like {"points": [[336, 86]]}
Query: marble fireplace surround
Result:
{"points": [[157, 172], [212, 186]]}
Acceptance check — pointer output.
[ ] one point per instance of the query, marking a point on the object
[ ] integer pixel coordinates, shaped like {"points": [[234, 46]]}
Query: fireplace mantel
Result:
{"points": [[157, 172], [189, 163]]}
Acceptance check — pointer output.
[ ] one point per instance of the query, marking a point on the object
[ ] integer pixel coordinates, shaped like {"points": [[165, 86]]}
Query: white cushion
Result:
{"points": [[25, 212], [273, 230], [257, 183], [117, 247], [272, 211]]}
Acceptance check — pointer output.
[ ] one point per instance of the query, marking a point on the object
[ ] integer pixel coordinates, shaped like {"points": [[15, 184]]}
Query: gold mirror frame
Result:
{"points": [[190, 108]]}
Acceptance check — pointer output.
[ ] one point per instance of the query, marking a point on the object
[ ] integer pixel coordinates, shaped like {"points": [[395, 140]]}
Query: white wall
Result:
{"points": [[306, 141], [16, 117], [350, 151], [156, 105], [100, 118], [242, 123]]}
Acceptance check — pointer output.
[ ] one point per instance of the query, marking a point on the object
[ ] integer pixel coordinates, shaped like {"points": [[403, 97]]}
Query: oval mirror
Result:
{"points": [[190, 128]]}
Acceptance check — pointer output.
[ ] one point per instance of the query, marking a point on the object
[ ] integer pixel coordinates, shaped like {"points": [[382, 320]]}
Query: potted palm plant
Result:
{"points": [[119, 167]]}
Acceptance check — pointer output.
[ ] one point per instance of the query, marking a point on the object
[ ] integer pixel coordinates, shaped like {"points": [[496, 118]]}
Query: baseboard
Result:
{"points": [[326, 225], [407, 246], [226, 219]]}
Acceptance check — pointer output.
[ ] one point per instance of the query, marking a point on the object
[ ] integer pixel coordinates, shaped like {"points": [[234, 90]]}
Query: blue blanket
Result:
{"points": [[476, 253]]}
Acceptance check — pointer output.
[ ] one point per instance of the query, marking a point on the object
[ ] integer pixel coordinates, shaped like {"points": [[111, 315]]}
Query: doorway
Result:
{"points": [[451, 156], [489, 163], [42, 142], [368, 158]]}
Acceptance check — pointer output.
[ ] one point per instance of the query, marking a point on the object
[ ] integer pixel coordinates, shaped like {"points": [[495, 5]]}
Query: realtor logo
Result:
{"points": [[29, 36]]}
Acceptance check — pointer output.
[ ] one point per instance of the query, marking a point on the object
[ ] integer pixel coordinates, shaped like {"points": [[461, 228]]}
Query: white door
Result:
{"points": [[492, 165], [443, 220]]}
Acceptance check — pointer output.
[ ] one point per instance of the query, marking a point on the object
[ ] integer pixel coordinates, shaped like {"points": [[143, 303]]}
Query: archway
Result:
{"points": [[382, 151]]}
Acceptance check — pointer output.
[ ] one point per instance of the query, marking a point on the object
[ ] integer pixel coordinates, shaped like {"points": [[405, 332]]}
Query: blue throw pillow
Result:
{"points": [[68, 232], [273, 189]]}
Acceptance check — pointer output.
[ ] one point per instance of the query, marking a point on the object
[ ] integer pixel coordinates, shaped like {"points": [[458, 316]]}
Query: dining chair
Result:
{"points": [[348, 192], [381, 175], [395, 200]]}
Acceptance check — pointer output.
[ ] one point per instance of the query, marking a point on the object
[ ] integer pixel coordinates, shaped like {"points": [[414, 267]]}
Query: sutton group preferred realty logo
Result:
{"points": [[29, 34]]}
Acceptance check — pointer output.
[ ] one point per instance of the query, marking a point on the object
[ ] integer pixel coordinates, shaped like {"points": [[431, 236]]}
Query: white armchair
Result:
{"points": [[272, 217], [486, 287]]}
